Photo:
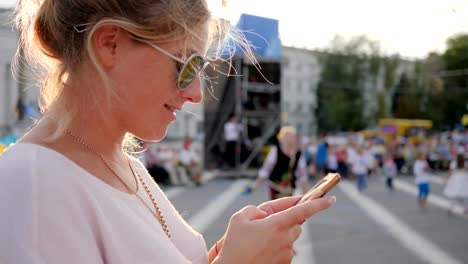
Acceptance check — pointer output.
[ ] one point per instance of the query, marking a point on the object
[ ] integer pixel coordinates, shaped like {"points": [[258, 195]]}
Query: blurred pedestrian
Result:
{"points": [[232, 136], [421, 173], [189, 163], [389, 170], [283, 166], [456, 188], [342, 158], [148, 158], [167, 159], [399, 158], [309, 157], [332, 161], [321, 157], [360, 168], [351, 152]]}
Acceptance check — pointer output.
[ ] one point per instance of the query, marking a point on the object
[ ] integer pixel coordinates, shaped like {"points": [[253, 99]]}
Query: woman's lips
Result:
{"points": [[172, 109]]}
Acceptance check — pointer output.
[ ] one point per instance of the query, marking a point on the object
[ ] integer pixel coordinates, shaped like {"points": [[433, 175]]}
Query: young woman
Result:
{"points": [[69, 193]]}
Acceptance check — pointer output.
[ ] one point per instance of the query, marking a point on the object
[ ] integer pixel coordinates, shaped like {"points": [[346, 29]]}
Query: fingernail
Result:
{"points": [[332, 200]]}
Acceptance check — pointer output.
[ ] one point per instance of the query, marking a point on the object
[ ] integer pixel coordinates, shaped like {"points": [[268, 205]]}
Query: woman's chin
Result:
{"points": [[154, 135]]}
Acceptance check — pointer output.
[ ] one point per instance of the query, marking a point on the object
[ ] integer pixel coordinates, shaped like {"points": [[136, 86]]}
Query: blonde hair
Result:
{"points": [[285, 130], [56, 36]]}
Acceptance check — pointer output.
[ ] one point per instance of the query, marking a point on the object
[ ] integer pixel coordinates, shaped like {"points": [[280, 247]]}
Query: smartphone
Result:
{"points": [[321, 188]]}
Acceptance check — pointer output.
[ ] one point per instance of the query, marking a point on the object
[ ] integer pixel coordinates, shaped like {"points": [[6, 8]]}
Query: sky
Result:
{"points": [[411, 28]]}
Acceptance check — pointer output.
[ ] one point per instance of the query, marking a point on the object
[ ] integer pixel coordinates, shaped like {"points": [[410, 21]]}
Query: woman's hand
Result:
{"points": [[266, 234]]}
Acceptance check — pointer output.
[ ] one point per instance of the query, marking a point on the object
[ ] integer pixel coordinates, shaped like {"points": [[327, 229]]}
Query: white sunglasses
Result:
{"points": [[191, 67]]}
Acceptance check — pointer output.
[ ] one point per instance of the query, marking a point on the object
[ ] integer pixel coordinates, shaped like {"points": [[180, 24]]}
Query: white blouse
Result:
{"points": [[53, 211]]}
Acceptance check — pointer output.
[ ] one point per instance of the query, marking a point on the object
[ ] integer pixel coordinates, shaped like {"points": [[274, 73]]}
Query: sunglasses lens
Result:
{"points": [[190, 70]]}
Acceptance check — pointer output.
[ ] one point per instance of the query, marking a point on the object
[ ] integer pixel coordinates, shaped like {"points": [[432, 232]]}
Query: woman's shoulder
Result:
{"points": [[33, 206], [39, 176], [27, 158], [31, 166], [20, 159]]}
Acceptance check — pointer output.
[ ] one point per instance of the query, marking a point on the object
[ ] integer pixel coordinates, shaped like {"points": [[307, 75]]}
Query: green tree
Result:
{"points": [[406, 102], [455, 79], [346, 66], [455, 59], [384, 98]]}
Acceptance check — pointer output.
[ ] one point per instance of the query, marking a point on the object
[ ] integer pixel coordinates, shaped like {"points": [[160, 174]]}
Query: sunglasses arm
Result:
{"points": [[165, 52]]}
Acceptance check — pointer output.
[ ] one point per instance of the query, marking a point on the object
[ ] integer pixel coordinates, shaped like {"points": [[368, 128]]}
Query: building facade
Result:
{"points": [[300, 75], [9, 87]]}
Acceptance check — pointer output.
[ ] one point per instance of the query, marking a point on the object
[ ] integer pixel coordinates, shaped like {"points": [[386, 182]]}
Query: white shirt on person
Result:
{"points": [[232, 131], [54, 211], [359, 164], [351, 153], [332, 162], [270, 162], [187, 156], [419, 171], [312, 149]]}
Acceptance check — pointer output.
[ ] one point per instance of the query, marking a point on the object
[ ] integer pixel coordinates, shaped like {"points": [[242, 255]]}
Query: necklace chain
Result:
{"points": [[157, 211]]}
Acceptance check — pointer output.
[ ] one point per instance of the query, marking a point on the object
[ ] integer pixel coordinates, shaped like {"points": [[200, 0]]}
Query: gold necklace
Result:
{"points": [[157, 214]]}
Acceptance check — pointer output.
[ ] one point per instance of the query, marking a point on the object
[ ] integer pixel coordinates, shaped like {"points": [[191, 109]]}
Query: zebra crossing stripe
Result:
{"points": [[304, 246], [437, 179], [432, 198], [206, 216], [420, 246]]}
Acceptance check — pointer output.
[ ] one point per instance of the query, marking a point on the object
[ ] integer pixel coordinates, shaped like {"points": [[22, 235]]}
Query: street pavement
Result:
{"points": [[376, 226]]}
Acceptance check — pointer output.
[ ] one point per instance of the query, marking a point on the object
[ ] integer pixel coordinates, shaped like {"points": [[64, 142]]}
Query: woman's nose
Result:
{"points": [[193, 92]]}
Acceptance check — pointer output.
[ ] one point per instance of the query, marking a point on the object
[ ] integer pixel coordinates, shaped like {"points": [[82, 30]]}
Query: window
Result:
{"points": [[305, 85], [298, 66], [299, 108], [293, 85]]}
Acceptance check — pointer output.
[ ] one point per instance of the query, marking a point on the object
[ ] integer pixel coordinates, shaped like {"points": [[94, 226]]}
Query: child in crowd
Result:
{"points": [[457, 185], [390, 170], [360, 167], [421, 173]]}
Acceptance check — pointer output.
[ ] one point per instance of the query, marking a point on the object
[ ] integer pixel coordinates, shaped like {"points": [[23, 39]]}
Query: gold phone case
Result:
{"points": [[321, 188]]}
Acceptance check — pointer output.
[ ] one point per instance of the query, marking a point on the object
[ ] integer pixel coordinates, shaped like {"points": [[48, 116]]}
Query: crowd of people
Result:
{"points": [[170, 164], [358, 158]]}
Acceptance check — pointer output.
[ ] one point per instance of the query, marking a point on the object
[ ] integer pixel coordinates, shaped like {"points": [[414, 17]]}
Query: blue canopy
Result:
{"points": [[262, 33]]}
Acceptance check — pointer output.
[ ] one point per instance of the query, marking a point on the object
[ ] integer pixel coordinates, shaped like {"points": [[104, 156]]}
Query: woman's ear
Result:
{"points": [[105, 42]]}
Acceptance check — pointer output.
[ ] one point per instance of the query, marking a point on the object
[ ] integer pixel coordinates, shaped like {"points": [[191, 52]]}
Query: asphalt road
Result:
{"points": [[376, 226]]}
